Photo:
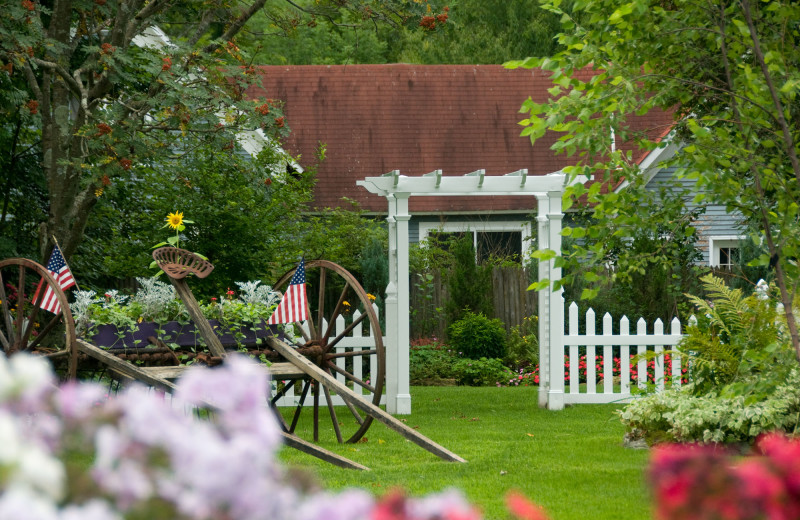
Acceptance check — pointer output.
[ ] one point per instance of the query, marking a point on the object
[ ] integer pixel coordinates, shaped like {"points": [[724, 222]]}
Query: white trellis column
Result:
{"points": [[392, 322], [400, 403], [398, 392], [555, 390], [543, 241]]}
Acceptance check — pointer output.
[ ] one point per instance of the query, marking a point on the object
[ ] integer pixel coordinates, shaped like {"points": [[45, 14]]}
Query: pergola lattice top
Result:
{"points": [[475, 183]]}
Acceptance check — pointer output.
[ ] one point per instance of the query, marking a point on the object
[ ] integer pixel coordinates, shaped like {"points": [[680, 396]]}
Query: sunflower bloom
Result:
{"points": [[175, 220]]}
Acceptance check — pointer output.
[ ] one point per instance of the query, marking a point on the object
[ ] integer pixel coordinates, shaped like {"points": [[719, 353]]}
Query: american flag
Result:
{"points": [[294, 304], [60, 270]]}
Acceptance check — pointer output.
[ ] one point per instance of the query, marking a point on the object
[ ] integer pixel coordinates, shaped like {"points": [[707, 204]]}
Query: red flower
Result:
{"points": [[33, 106], [107, 48], [27, 4], [428, 23], [441, 18], [279, 122], [125, 163], [102, 129], [166, 63], [391, 507], [522, 508], [263, 109], [105, 180]]}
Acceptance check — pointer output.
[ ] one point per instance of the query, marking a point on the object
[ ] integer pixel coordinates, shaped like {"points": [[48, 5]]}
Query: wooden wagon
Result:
{"points": [[312, 364]]}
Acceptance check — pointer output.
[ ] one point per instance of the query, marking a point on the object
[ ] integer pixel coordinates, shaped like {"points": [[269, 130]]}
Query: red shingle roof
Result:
{"points": [[414, 118]]}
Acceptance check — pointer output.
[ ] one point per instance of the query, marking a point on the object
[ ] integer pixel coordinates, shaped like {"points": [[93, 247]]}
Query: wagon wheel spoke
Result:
{"points": [[352, 378], [337, 311], [299, 408], [6, 315], [334, 419], [332, 343], [20, 308], [323, 275]]}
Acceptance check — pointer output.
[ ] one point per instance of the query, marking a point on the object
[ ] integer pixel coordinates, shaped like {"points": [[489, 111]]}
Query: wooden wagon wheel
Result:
{"points": [[24, 325], [333, 292]]}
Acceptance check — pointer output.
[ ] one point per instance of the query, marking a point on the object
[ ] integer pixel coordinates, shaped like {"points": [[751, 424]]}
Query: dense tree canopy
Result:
{"points": [[121, 93], [465, 32], [730, 70]]}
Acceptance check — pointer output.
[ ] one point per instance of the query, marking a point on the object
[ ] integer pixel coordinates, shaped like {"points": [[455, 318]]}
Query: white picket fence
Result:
{"points": [[602, 349], [356, 341]]}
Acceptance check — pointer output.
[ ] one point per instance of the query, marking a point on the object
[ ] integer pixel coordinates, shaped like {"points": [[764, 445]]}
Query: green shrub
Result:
{"points": [[469, 284], [431, 362], [677, 415], [522, 347], [739, 345], [481, 372], [743, 380], [476, 336]]}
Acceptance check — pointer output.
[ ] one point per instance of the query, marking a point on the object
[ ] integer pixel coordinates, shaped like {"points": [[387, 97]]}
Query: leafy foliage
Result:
{"points": [[481, 372], [729, 74], [469, 283], [738, 345], [677, 415], [472, 31], [475, 336], [124, 91], [522, 346], [430, 362]]}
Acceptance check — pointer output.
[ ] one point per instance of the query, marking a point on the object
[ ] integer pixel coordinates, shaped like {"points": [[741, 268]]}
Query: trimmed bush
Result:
{"points": [[475, 336], [481, 372]]}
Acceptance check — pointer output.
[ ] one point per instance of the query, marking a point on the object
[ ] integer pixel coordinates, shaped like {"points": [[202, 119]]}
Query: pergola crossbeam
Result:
{"points": [[480, 174]]}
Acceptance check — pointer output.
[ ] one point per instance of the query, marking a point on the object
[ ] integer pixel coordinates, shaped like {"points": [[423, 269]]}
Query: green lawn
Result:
{"points": [[571, 462]]}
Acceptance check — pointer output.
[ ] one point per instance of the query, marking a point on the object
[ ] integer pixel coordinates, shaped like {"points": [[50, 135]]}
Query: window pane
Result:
{"points": [[504, 244]]}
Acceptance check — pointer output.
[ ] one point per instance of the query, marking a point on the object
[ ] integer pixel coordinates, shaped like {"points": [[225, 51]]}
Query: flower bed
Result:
{"points": [[185, 335], [121, 321]]}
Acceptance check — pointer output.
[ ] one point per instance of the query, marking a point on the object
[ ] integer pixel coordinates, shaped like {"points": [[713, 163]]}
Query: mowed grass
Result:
{"points": [[571, 462]]}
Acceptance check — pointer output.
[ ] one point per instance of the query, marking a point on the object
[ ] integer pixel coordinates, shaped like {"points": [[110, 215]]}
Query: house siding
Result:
{"points": [[715, 222]]}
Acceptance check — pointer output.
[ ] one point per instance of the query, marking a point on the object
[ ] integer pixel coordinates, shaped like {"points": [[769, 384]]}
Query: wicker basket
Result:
{"points": [[179, 263]]}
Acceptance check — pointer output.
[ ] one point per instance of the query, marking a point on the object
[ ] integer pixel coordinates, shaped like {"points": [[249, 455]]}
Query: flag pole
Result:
{"points": [[55, 241]]}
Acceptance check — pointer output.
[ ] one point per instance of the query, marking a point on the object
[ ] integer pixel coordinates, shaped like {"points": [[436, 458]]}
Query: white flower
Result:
{"points": [[25, 463], [19, 502]]}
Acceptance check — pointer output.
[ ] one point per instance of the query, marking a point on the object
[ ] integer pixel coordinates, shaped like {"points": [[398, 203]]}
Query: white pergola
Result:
{"points": [[548, 190]]}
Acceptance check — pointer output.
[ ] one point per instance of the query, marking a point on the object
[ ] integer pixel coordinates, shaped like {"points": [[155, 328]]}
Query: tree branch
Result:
{"points": [[73, 85], [776, 100], [236, 25]]}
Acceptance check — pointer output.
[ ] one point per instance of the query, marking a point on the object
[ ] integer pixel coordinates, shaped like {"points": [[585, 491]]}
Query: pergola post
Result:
{"points": [[555, 390], [390, 304], [401, 402], [543, 242]]}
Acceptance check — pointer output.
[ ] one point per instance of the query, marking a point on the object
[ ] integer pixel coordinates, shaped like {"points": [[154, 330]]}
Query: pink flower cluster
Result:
{"points": [[160, 457], [692, 482]]}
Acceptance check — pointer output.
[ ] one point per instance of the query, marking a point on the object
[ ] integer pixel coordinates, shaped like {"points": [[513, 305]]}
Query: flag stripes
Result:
{"points": [[294, 304], [60, 270]]}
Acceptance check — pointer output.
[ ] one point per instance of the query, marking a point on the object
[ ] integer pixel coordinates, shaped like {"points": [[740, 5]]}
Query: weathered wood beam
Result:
{"points": [[331, 383]]}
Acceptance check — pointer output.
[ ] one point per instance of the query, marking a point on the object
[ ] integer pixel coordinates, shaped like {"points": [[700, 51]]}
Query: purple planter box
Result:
{"points": [[185, 335]]}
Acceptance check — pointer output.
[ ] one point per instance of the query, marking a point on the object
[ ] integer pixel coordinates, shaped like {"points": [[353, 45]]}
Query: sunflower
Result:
{"points": [[175, 220]]}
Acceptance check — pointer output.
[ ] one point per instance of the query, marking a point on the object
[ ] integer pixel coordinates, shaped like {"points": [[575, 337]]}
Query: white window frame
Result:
{"points": [[524, 227], [715, 243]]}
